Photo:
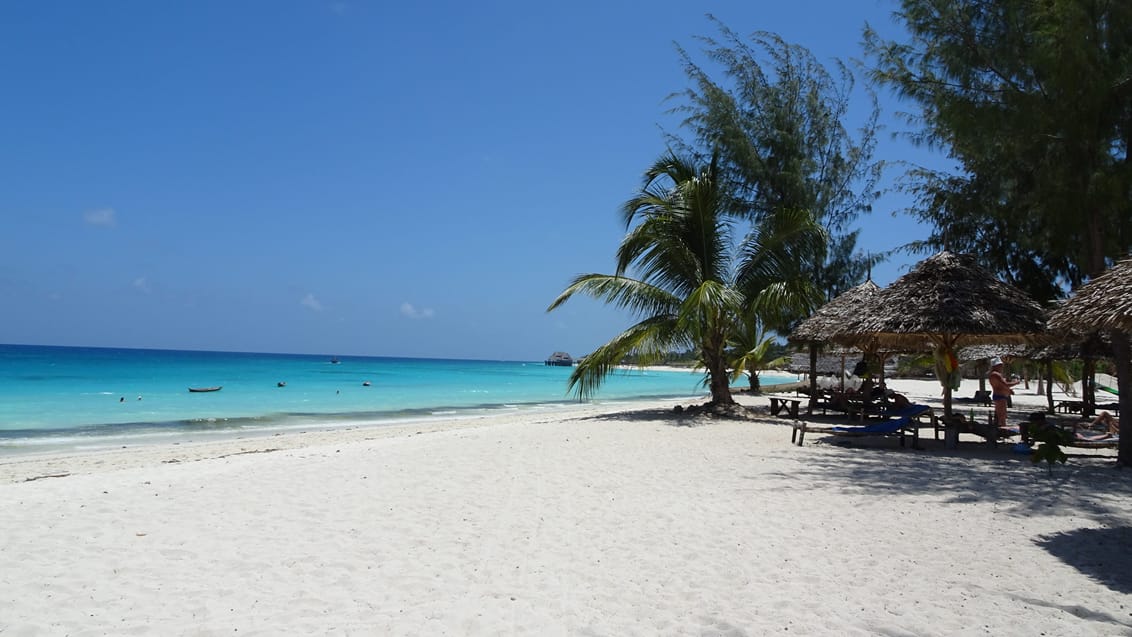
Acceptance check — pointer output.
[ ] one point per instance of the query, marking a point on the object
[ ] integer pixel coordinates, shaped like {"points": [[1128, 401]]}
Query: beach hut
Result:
{"points": [[946, 302], [824, 325], [560, 359], [1105, 305]]}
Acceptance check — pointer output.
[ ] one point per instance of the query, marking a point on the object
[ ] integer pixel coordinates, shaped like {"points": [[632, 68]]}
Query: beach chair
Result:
{"points": [[981, 397], [1070, 406], [1075, 434], [909, 411], [902, 422], [1093, 441]]}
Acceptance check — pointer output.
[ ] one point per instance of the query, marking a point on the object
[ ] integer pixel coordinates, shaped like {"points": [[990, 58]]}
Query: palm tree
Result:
{"points": [[751, 348], [694, 277]]}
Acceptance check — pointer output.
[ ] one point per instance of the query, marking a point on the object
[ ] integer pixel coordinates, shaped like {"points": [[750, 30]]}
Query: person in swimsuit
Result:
{"points": [[1111, 425], [1001, 390]]}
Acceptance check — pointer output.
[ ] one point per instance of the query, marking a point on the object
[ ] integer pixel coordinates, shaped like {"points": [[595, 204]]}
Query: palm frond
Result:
{"points": [[648, 340], [710, 307], [640, 298]]}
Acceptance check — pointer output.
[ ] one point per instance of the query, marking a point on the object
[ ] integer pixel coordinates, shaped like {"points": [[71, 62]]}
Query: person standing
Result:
{"points": [[1001, 390]]}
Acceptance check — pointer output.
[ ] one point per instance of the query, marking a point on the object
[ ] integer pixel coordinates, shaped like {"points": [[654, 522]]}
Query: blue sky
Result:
{"points": [[410, 179]]}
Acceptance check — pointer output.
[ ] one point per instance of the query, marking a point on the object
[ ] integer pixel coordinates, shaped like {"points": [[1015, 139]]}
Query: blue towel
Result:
{"points": [[911, 411], [903, 418]]}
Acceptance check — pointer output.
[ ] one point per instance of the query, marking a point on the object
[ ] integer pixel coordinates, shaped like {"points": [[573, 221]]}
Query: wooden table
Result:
{"points": [[778, 404]]}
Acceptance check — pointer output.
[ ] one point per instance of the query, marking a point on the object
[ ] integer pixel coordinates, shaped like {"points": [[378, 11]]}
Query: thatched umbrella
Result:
{"points": [[981, 355], [826, 323], [1088, 348], [1105, 304], [947, 301]]}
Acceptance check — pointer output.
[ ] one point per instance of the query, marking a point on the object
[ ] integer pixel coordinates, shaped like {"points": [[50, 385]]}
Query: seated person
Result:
{"points": [[864, 391], [860, 400], [899, 401], [1111, 424]]}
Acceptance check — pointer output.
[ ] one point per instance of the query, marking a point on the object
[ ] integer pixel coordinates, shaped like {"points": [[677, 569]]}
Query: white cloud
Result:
{"points": [[311, 302], [105, 217], [414, 313], [142, 285]]}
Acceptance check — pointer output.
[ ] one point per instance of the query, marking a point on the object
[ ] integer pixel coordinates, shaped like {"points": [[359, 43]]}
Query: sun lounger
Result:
{"points": [[993, 433], [1081, 407], [1070, 406], [981, 397], [910, 411], [1098, 441], [904, 421]]}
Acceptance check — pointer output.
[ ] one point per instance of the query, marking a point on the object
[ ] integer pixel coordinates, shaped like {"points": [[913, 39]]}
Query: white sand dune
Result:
{"points": [[598, 520]]}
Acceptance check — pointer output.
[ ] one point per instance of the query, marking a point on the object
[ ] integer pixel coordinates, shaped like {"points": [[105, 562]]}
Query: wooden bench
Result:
{"points": [[1070, 406], [790, 405]]}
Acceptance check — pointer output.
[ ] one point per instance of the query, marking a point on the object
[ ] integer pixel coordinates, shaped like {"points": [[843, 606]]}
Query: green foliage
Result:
{"points": [[775, 119], [692, 276], [1064, 375], [685, 358], [1033, 100], [915, 366], [844, 268], [1051, 439], [752, 350]]}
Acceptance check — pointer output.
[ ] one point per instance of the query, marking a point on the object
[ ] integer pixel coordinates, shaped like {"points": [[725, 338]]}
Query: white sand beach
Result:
{"points": [[595, 520]]}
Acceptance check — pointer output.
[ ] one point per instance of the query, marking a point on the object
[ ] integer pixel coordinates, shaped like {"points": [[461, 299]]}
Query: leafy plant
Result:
{"points": [[752, 350], [693, 274], [1051, 439]]}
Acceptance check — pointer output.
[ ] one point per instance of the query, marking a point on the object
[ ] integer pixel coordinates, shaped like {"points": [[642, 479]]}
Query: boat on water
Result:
{"points": [[197, 390]]}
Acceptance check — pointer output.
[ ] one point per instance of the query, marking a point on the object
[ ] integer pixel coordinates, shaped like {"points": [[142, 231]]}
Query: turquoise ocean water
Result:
{"points": [[74, 397]]}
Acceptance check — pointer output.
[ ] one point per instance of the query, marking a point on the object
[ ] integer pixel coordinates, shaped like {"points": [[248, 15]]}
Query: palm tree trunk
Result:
{"points": [[719, 381], [813, 379], [1089, 386], [1049, 385], [1122, 354], [721, 387]]}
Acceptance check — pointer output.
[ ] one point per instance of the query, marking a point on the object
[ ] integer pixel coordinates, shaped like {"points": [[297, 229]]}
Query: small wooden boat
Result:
{"points": [[204, 389], [281, 383]]}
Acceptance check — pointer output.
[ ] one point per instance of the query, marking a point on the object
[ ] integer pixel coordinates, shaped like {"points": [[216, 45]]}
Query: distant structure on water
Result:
{"points": [[560, 359]]}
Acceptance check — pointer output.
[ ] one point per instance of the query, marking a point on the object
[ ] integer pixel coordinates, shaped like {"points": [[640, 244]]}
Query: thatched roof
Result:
{"points": [[1105, 303], [988, 351], [1068, 351], [949, 299], [828, 321], [827, 364]]}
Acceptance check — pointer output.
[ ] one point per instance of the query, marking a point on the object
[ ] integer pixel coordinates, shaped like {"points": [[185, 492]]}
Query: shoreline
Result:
{"points": [[28, 465], [222, 442], [134, 433], [599, 519]]}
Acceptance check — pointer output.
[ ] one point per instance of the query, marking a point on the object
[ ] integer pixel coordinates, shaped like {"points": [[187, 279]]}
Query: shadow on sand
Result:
{"points": [[1088, 486], [1100, 554]]}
